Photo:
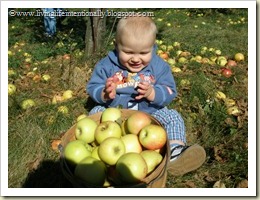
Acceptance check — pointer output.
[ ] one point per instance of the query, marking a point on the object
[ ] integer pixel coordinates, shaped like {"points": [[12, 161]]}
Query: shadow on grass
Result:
{"points": [[47, 175]]}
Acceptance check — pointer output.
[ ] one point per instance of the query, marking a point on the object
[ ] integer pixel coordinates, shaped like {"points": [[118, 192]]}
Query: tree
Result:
{"points": [[95, 29]]}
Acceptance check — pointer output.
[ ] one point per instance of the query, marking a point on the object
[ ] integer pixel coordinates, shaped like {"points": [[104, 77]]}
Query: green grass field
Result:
{"points": [[199, 32]]}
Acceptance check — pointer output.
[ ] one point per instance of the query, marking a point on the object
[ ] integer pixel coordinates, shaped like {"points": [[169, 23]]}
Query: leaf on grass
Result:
{"points": [[217, 153], [242, 184], [34, 164], [219, 184], [55, 144], [190, 184]]}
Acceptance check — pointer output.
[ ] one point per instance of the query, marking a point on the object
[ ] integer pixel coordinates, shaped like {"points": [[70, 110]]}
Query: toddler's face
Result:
{"points": [[135, 54]]}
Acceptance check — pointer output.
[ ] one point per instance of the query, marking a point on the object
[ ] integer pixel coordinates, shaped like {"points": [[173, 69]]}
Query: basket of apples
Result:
{"points": [[115, 148]]}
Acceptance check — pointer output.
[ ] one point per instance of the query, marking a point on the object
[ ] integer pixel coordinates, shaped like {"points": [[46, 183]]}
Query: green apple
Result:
{"points": [[153, 137], [46, 77], [111, 114], [67, 94], [11, 89], [131, 167], [132, 143], [75, 151], [152, 159], [110, 150], [92, 171], [107, 129], [221, 60], [81, 117], [220, 95], [239, 57], [28, 103], [63, 110], [85, 130], [136, 121], [182, 60], [233, 110], [94, 153]]}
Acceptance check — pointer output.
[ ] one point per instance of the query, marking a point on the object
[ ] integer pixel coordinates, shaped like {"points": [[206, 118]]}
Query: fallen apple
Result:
{"points": [[92, 171], [132, 143], [220, 95], [226, 72], [85, 130], [136, 121], [222, 61], [111, 114], [67, 94], [110, 150], [152, 159], [46, 77], [233, 111], [230, 102], [182, 60], [11, 89], [107, 129], [75, 151], [28, 103], [239, 57], [231, 63], [131, 168], [153, 137], [63, 109], [164, 55]]}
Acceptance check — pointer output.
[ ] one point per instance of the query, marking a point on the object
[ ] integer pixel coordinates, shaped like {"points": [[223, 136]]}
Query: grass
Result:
{"points": [[224, 136]]}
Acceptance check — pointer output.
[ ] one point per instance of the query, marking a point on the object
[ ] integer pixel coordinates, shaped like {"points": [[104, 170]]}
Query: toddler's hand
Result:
{"points": [[109, 91], [145, 90]]}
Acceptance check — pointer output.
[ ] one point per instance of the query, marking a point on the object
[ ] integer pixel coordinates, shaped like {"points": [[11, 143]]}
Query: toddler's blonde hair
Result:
{"points": [[136, 26]]}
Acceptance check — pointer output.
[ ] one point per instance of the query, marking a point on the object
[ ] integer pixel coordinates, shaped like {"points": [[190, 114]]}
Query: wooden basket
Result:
{"points": [[157, 179]]}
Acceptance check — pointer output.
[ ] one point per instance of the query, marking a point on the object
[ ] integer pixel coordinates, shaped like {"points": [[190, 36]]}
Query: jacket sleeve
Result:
{"points": [[97, 83], [165, 87]]}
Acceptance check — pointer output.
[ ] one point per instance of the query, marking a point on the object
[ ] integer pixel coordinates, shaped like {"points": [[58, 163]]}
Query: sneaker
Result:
{"points": [[185, 159]]}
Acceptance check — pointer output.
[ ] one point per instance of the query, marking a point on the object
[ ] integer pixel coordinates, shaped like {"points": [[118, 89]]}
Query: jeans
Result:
{"points": [[49, 21], [170, 119]]}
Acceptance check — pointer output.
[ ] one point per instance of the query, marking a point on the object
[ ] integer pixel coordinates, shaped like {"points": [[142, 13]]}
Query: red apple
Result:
{"points": [[136, 121], [226, 72], [132, 143], [231, 63], [131, 167], [164, 55], [107, 129], [153, 137]]}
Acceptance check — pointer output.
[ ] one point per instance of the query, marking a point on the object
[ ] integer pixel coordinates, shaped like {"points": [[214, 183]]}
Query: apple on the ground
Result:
{"points": [[11, 89]]}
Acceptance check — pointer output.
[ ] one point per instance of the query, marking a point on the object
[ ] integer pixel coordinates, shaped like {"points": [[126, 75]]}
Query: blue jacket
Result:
{"points": [[158, 72]]}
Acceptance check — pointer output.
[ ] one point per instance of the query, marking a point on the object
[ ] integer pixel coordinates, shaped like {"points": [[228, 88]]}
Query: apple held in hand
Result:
{"points": [[132, 143], [110, 150], [152, 159], [111, 114], [137, 121], [107, 129], [92, 171], [131, 167], [85, 130], [153, 137], [75, 151]]}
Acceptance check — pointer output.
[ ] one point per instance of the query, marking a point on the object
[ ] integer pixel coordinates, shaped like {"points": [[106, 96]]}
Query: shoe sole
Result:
{"points": [[191, 159]]}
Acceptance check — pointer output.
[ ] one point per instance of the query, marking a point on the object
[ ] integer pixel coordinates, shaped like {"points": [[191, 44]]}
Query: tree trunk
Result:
{"points": [[95, 28]]}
